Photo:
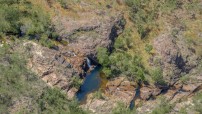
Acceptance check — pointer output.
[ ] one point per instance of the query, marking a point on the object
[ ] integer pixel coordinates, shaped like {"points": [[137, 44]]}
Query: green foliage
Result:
{"points": [[198, 102], [142, 16], [103, 56], [76, 82], [157, 76], [144, 13], [44, 41], [123, 42], [184, 78], [163, 108], [52, 100], [22, 17], [122, 109], [19, 84], [148, 48], [16, 81], [183, 111], [98, 94], [121, 63], [63, 3], [125, 64]]}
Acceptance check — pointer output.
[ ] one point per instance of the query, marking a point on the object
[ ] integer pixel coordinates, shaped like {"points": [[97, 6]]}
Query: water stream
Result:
{"points": [[137, 95]]}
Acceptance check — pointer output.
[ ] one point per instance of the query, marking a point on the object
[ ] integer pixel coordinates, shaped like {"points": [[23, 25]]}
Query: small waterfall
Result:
{"points": [[88, 63]]}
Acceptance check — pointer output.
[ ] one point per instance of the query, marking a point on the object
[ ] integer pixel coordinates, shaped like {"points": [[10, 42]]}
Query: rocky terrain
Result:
{"points": [[172, 75]]}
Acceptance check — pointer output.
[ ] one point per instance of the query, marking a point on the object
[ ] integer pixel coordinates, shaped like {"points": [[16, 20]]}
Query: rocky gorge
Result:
{"points": [[173, 66]]}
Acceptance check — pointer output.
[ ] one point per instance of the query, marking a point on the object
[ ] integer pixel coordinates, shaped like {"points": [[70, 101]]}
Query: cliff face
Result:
{"points": [[57, 67]]}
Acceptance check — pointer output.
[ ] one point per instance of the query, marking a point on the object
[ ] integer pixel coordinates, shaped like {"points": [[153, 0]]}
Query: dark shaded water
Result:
{"points": [[91, 83], [137, 95]]}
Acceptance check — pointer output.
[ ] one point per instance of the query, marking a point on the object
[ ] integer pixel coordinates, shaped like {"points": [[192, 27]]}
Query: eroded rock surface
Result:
{"points": [[175, 57], [57, 66]]}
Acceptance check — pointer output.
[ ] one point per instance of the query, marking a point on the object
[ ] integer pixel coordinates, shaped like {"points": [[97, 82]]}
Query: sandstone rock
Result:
{"points": [[87, 33], [190, 87], [156, 92], [71, 93], [176, 57], [145, 93]]}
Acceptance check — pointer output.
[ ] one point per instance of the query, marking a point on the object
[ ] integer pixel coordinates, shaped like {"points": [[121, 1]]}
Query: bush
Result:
{"points": [[121, 63], [157, 76], [98, 94], [52, 100], [122, 109], [123, 42], [17, 83], [76, 82], [163, 108], [21, 18], [16, 80], [142, 16], [198, 102], [63, 3], [148, 48], [103, 56]]}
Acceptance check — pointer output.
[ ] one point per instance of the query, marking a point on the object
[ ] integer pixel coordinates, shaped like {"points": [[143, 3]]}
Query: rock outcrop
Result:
{"points": [[117, 90], [87, 33], [57, 67], [175, 56]]}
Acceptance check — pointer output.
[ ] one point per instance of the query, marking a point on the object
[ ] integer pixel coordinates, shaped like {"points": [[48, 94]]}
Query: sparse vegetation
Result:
{"points": [[121, 61], [157, 76], [21, 18], [121, 108], [19, 85], [98, 94], [163, 108], [148, 48], [198, 102], [133, 55], [52, 100], [76, 82]]}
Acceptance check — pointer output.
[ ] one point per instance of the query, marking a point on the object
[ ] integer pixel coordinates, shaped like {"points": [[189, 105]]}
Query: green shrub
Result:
{"points": [[63, 3], [143, 17], [103, 56], [157, 76], [44, 41], [17, 82], [21, 18], [76, 82], [121, 63], [198, 102], [123, 42], [52, 100], [98, 94], [163, 108], [30, 20], [121, 108], [148, 48]]}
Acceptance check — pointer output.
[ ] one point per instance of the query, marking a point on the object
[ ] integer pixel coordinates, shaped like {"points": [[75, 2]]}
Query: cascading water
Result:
{"points": [[88, 63]]}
